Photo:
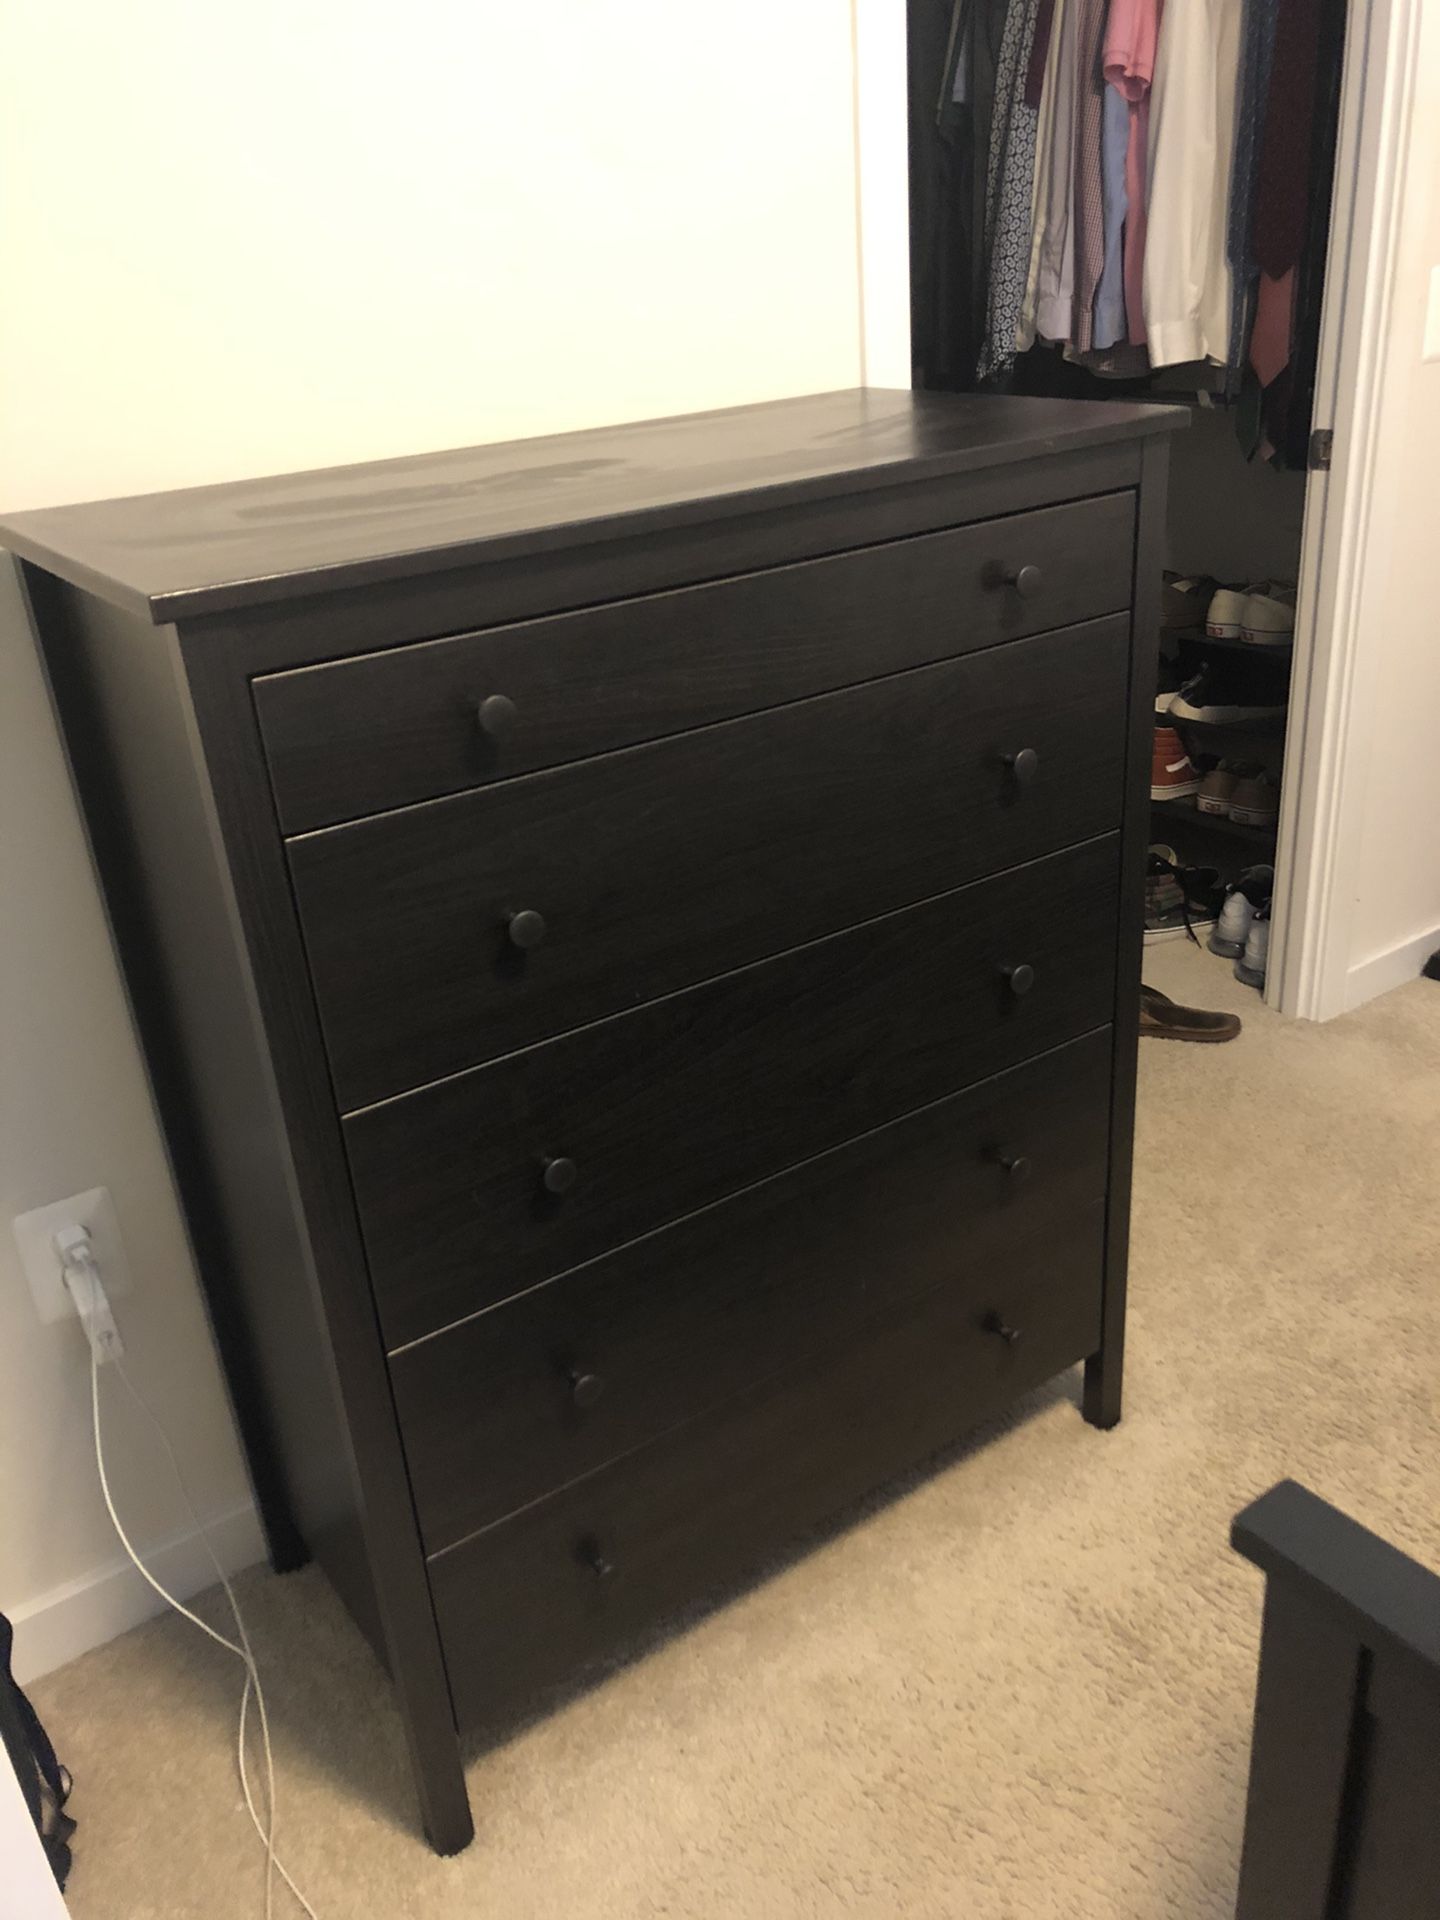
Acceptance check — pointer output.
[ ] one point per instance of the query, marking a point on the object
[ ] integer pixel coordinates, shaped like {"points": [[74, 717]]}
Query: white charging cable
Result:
{"points": [[82, 1278]]}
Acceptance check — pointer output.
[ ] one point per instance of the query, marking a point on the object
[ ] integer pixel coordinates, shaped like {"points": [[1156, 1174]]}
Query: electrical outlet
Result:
{"points": [[35, 1238], [1431, 350]]}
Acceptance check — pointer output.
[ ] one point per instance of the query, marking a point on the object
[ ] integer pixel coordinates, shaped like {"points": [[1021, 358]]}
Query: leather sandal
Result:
{"points": [[1165, 1019]]}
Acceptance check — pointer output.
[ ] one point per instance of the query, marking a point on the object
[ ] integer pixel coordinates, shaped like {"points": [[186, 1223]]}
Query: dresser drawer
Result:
{"points": [[570, 1581], [387, 728], [502, 1410], [671, 863], [663, 1110]]}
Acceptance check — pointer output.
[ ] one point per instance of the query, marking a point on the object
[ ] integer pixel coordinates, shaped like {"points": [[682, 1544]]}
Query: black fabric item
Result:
{"points": [[44, 1783], [940, 243], [1250, 412], [1290, 421], [949, 149]]}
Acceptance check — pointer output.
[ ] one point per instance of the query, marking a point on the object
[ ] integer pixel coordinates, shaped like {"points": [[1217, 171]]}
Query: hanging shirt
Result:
{"points": [[1192, 139], [1090, 91], [1129, 60], [1050, 285], [1109, 327], [1009, 191]]}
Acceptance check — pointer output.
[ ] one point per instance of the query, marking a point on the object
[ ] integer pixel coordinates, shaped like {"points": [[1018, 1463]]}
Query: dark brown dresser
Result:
{"points": [[636, 938]]}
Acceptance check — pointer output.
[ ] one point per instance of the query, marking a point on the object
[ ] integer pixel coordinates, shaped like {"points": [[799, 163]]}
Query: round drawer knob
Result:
{"points": [[1026, 581], [1017, 1165], [594, 1558], [997, 1324], [526, 929], [1020, 979], [1023, 765], [558, 1174], [585, 1388], [496, 716]]}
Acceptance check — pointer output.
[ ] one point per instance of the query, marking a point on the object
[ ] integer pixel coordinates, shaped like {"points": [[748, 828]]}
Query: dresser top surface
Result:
{"points": [[217, 549]]}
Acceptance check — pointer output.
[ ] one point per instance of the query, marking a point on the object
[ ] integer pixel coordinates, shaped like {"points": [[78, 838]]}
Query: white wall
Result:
{"points": [[1393, 777], [311, 232]]}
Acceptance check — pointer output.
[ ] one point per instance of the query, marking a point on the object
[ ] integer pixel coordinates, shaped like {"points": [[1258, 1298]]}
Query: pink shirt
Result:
{"points": [[1129, 58]]}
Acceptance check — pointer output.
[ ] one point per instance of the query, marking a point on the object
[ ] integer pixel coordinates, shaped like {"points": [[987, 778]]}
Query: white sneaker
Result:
{"points": [[1227, 605], [1250, 967], [1255, 801], [1268, 618], [1232, 929]]}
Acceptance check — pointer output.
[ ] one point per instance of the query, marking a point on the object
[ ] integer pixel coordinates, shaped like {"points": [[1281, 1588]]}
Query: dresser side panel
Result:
{"points": [[119, 702]]}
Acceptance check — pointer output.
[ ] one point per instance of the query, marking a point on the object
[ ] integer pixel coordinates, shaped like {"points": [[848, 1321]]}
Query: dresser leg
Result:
{"points": [[1103, 1381], [444, 1803]]}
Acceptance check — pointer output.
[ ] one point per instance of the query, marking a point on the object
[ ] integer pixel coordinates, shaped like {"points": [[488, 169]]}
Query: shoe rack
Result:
{"points": [[1213, 839], [1237, 520]]}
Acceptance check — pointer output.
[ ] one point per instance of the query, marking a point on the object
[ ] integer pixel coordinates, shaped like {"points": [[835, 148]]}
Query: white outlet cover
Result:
{"points": [[1431, 349], [35, 1238]]}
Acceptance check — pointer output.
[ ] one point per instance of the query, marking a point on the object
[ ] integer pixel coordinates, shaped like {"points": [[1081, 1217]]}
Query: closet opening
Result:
{"points": [[1132, 199]]}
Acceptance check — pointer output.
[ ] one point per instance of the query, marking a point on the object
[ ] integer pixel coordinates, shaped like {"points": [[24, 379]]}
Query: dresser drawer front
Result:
{"points": [[668, 864], [523, 1606], [502, 1410], [384, 729], [673, 1106]]}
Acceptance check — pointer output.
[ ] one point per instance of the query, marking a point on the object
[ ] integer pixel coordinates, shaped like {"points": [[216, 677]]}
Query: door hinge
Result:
{"points": [[1322, 449]]}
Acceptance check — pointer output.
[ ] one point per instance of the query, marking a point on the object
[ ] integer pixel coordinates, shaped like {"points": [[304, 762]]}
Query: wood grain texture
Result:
{"points": [[358, 1514], [319, 627], [668, 864], [253, 542], [399, 724], [521, 1607], [501, 1410], [668, 1108], [527, 553]]}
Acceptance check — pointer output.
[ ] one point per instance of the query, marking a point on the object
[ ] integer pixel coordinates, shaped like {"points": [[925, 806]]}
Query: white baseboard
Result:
{"points": [[61, 1625], [1383, 971]]}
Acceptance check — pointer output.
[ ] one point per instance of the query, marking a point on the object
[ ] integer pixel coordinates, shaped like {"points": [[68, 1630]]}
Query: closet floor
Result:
{"points": [[1019, 1686]]}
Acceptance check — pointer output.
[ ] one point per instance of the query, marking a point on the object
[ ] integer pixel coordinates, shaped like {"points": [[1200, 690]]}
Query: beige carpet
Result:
{"points": [[1020, 1688]]}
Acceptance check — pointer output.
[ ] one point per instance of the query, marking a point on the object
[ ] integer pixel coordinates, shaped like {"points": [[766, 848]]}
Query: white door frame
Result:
{"points": [[1321, 816]]}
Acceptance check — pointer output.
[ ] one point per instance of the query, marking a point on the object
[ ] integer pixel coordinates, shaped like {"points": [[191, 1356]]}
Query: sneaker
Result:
{"points": [[1218, 697], [1184, 604], [1216, 789], [1232, 929], [1167, 685], [1222, 617], [1172, 773], [1268, 618], [1180, 902], [1250, 967], [1255, 801], [1164, 899], [1243, 898]]}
